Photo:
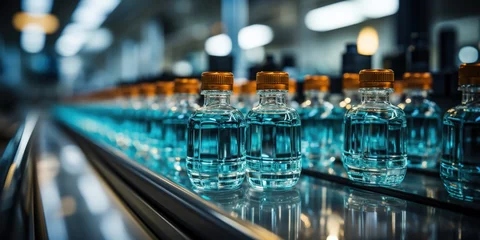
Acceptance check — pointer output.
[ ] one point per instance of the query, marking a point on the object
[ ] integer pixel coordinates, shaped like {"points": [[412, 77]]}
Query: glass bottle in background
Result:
{"points": [[292, 93], [141, 142], [460, 162], [235, 98], [273, 136], [397, 96], [424, 121], [216, 137], [374, 151], [158, 112], [321, 141], [350, 84], [248, 97], [174, 139]]}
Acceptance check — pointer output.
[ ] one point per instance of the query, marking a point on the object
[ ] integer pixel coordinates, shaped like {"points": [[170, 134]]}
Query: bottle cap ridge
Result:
{"points": [[469, 73], [317, 82], [186, 85], [272, 80], [376, 78], [351, 81], [222, 81], [164, 87], [422, 80]]}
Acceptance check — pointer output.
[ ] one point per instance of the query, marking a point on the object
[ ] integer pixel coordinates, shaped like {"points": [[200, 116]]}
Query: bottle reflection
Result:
{"points": [[232, 202], [321, 212], [369, 215], [277, 211]]}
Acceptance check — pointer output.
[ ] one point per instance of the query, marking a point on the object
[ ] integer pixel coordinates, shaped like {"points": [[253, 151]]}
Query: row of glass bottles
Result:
{"points": [[372, 136]]}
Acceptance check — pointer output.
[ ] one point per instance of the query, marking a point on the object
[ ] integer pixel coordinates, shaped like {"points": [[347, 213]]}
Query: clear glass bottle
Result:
{"points": [[374, 150], [174, 139], [216, 137], [273, 136], [292, 93], [424, 121], [158, 111], [248, 97], [460, 162], [141, 141], [321, 128]]}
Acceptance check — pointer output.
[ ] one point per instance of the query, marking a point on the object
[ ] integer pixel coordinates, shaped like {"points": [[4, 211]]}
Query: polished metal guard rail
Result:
{"points": [[195, 215]]}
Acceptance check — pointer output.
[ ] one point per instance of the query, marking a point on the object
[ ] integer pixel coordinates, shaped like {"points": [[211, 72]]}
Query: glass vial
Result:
{"points": [[174, 139], [273, 136], [321, 131], [424, 121], [216, 137], [374, 151], [460, 162]]}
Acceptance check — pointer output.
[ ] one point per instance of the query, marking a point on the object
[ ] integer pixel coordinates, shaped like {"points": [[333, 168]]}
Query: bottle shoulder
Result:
{"points": [[424, 108], [310, 110], [273, 114], [383, 110], [464, 112], [225, 113]]}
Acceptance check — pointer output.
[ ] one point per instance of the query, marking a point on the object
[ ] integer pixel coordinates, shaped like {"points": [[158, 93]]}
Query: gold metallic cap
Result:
{"points": [[292, 85], [249, 87], [272, 80], [422, 80], [130, 91], [351, 81], [237, 88], [222, 81], [186, 85], [398, 86], [469, 73], [147, 89], [316, 82], [376, 78], [164, 87]]}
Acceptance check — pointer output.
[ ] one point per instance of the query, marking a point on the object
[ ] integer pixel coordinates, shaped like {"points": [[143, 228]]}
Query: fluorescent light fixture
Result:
{"points": [[99, 40], [70, 44], [333, 16], [255, 55], [468, 54], [377, 8], [182, 68], [32, 38], [218, 45], [253, 36], [37, 6], [88, 18], [367, 41]]}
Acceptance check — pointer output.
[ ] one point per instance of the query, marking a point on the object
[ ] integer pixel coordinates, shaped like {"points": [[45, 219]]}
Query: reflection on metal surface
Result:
{"points": [[113, 227], [93, 194], [277, 211], [233, 202], [72, 159], [369, 215]]}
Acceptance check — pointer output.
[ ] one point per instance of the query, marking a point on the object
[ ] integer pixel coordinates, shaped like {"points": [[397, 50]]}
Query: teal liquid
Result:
{"points": [[216, 149], [424, 133], [460, 162], [375, 145], [273, 148], [322, 135], [174, 142]]}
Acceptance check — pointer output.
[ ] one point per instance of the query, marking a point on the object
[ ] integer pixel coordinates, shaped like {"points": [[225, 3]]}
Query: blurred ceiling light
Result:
{"points": [[367, 41], [47, 22], [32, 39], [182, 68], [37, 6], [70, 44], [218, 45], [89, 19], [333, 16], [468, 54], [255, 55], [99, 40], [253, 36], [377, 8]]}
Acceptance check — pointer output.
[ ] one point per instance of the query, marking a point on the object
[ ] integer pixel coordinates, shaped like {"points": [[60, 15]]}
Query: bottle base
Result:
{"points": [[214, 174], [390, 174], [273, 174], [462, 184]]}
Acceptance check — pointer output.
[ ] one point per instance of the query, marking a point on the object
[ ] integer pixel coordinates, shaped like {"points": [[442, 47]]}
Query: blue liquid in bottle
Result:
{"points": [[158, 113], [321, 125], [273, 136], [174, 141], [216, 138], [460, 162], [424, 129], [375, 134]]}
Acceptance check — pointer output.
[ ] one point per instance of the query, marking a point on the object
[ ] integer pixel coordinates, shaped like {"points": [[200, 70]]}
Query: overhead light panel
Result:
{"points": [[333, 16], [70, 44], [253, 36], [219, 45], [377, 8], [32, 39], [99, 40], [37, 6]]}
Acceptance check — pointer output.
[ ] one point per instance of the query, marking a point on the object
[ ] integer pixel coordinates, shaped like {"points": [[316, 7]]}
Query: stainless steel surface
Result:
{"points": [[77, 204]]}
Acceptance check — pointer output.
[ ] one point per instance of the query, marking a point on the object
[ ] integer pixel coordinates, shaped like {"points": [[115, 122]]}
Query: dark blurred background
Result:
{"points": [[51, 49]]}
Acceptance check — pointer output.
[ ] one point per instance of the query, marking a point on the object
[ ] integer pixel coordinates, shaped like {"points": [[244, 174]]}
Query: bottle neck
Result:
{"points": [[213, 97], [315, 95], [379, 95], [273, 97], [416, 94], [185, 99], [471, 93]]}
